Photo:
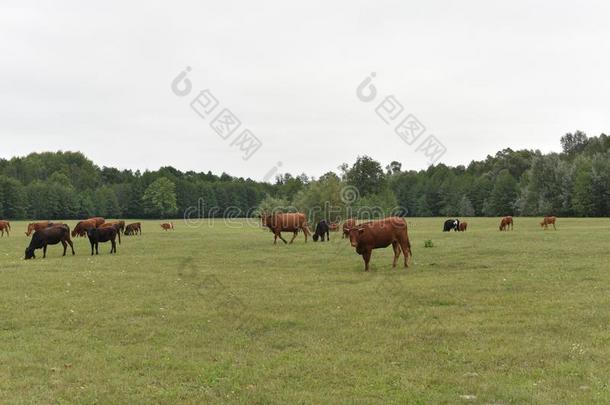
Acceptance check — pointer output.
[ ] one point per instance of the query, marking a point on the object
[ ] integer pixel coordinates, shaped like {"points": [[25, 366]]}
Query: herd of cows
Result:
{"points": [[364, 237]]}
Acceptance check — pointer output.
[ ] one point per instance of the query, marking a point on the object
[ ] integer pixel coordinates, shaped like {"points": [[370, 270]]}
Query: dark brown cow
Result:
{"points": [[133, 229], [49, 236], [102, 235], [548, 221], [380, 234], [118, 225], [37, 226], [347, 225], [506, 222], [5, 226], [167, 226], [98, 221], [463, 226], [82, 227], [286, 222]]}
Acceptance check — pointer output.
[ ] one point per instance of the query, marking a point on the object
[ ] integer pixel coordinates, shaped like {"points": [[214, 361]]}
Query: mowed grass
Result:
{"points": [[217, 314]]}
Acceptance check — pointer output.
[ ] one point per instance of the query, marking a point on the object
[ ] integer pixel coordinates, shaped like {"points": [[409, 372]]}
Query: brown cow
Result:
{"points": [[37, 226], [101, 235], [505, 222], [49, 236], [82, 227], [333, 226], [548, 221], [118, 225], [133, 229], [347, 225], [167, 226], [463, 226], [98, 221], [5, 226], [380, 234], [286, 222]]}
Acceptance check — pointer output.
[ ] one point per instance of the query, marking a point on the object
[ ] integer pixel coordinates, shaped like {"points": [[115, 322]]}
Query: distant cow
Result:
{"points": [[133, 229], [334, 226], [49, 236], [167, 226], [102, 235], [118, 225], [347, 225], [506, 222], [82, 227], [451, 224], [286, 222], [98, 221], [322, 229], [548, 221], [380, 234], [5, 226], [463, 226]]}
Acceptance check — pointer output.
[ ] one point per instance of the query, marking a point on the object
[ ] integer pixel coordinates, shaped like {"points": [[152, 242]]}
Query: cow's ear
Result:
{"points": [[361, 230]]}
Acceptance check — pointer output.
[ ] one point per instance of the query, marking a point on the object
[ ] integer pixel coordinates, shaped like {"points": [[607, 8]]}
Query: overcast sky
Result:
{"points": [[479, 75]]}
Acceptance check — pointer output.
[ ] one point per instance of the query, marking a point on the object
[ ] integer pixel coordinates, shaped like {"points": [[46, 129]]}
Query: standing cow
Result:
{"points": [[322, 229], [505, 222], [451, 224], [5, 226], [463, 226], [380, 234], [546, 221], [102, 235], [286, 222], [49, 236]]}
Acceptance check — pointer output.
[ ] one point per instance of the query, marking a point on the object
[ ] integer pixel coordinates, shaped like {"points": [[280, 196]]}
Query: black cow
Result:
{"points": [[49, 236], [101, 235], [451, 224], [321, 229]]}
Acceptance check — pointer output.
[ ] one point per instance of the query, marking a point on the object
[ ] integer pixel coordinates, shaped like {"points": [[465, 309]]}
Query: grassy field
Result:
{"points": [[217, 314]]}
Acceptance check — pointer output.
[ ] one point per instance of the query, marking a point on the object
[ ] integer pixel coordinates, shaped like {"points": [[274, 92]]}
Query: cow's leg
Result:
{"points": [[554, 226], [367, 258], [97, 248], [44, 252], [65, 245], [92, 247], [406, 251], [328, 236], [396, 253], [113, 248], [279, 235], [71, 246], [294, 235]]}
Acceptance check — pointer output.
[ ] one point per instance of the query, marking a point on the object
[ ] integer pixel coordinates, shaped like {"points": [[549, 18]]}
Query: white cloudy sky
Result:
{"points": [[479, 75]]}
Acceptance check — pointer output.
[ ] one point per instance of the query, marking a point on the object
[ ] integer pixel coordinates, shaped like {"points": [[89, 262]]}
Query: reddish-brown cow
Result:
{"points": [[347, 225], [5, 226], [37, 226], [167, 226], [98, 221], [463, 226], [118, 225], [506, 222], [548, 221], [82, 227], [133, 229], [380, 234], [286, 222]]}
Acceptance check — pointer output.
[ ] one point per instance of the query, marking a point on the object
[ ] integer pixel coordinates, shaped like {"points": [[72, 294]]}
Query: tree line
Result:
{"points": [[67, 185]]}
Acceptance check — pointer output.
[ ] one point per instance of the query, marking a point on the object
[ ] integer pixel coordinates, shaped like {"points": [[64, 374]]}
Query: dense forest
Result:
{"points": [[66, 185]]}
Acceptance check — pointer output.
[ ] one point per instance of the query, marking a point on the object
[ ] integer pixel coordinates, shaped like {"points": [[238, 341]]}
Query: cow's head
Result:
{"points": [[542, 224], [355, 234], [29, 253], [315, 237]]}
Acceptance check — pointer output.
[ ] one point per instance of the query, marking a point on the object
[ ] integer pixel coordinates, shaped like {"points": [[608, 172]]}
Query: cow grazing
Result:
{"points": [[49, 236], [133, 229], [347, 225], [98, 221], [451, 224], [167, 226], [118, 225], [5, 226], [82, 227], [506, 222], [102, 235], [322, 229], [380, 234], [463, 226], [286, 222], [548, 221]]}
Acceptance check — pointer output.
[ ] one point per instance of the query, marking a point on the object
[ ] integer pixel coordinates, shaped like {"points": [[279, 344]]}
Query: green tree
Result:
{"points": [[160, 198]]}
